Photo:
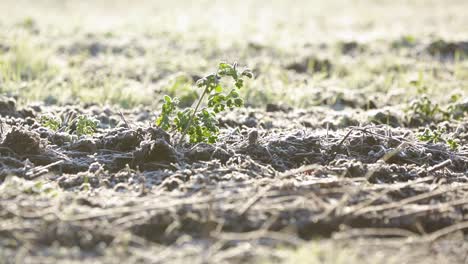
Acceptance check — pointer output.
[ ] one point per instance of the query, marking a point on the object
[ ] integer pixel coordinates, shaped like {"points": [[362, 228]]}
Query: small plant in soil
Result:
{"points": [[425, 109], [85, 125], [439, 135], [51, 122], [200, 123], [452, 143]]}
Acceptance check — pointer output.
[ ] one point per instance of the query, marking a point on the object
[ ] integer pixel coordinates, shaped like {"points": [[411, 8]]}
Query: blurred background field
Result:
{"points": [[305, 53]]}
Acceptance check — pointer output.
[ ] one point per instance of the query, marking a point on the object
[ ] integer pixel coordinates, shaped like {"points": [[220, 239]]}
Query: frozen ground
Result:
{"points": [[352, 147]]}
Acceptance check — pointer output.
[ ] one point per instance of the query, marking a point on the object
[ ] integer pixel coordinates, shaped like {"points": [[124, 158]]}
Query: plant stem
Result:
{"points": [[192, 116]]}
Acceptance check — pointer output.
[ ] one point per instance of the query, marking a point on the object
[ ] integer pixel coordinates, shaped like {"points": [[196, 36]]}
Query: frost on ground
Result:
{"points": [[351, 148], [131, 192]]}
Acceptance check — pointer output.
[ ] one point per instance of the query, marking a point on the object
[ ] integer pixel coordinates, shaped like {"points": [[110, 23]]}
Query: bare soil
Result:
{"points": [[129, 192]]}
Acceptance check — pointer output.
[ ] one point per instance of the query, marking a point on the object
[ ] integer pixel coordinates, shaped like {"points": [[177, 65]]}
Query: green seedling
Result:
{"points": [[51, 122], [452, 143], [86, 125], [439, 135], [456, 109], [200, 123], [431, 136], [425, 108]]}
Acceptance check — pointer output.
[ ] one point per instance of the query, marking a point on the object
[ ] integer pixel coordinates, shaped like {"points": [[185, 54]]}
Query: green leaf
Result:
{"points": [[234, 94], [239, 83], [238, 102], [229, 103], [453, 144]]}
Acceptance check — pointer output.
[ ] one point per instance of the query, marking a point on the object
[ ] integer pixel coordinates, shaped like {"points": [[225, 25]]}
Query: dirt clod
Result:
{"points": [[448, 49], [311, 64], [122, 139], [154, 150], [23, 141], [8, 107]]}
